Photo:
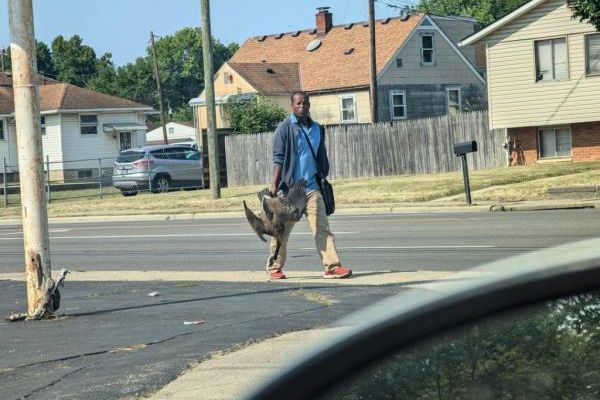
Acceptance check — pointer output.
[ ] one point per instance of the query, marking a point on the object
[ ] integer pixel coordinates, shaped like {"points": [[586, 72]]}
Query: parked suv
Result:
{"points": [[159, 168]]}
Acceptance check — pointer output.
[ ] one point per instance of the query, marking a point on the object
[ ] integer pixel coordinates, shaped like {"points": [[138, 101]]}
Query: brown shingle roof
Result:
{"points": [[342, 60], [63, 96], [270, 78]]}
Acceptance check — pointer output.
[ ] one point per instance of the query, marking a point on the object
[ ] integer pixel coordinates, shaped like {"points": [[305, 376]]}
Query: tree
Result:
{"points": [[586, 11], [486, 11], [259, 114], [74, 61], [45, 62], [105, 79]]}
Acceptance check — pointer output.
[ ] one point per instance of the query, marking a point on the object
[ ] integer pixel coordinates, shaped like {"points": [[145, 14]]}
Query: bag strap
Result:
{"points": [[312, 150]]}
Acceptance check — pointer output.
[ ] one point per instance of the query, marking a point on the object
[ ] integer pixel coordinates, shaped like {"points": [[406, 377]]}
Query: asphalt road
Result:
{"points": [[398, 242]]}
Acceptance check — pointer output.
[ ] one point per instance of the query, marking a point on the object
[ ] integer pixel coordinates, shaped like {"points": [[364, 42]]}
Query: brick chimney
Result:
{"points": [[324, 21]]}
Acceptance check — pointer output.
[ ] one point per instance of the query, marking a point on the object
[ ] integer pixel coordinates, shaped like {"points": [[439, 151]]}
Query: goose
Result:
{"points": [[276, 213]]}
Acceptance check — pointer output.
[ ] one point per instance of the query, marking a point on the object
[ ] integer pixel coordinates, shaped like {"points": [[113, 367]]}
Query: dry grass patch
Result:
{"points": [[505, 183]]}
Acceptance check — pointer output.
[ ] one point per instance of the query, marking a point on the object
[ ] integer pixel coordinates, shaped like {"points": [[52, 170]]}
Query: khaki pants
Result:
{"points": [[319, 225]]}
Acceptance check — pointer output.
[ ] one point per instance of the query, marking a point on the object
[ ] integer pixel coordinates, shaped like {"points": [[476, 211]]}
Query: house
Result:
{"points": [[177, 132], [543, 76], [78, 126], [420, 70]]}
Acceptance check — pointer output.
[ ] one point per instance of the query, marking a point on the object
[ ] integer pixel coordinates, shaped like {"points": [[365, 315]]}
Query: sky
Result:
{"points": [[122, 27]]}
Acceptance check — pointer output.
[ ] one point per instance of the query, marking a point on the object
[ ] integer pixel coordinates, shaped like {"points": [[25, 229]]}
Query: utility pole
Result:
{"points": [[158, 88], [31, 169], [373, 59], [209, 94]]}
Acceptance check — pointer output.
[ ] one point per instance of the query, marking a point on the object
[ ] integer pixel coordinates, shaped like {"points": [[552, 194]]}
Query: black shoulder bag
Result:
{"points": [[324, 185]]}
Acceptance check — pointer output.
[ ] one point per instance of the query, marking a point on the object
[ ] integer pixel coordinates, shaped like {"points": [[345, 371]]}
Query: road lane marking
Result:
{"points": [[408, 247], [165, 236]]}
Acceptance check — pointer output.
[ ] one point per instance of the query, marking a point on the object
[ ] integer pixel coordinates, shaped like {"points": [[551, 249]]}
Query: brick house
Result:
{"points": [[420, 70], [543, 73]]}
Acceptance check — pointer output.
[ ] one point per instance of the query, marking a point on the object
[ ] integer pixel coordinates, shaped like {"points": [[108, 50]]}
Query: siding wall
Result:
{"points": [[430, 100], [239, 85], [326, 108], [516, 99], [448, 68], [76, 146]]}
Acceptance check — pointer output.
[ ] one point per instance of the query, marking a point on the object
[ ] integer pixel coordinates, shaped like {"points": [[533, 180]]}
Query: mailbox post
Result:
{"points": [[461, 150]]}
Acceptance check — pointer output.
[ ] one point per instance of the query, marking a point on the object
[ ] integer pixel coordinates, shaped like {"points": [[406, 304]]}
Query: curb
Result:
{"points": [[543, 207]]}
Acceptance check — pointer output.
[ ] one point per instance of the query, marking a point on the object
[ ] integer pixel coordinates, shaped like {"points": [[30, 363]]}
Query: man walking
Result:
{"points": [[293, 160]]}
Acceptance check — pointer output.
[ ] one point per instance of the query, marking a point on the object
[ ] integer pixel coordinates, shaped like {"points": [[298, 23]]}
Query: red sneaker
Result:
{"points": [[338, 273], [275, 275]]}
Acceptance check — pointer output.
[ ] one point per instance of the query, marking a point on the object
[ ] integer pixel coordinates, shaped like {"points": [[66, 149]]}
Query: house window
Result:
{"points": [[551, 60], [427, 50], [2, 129], [348, 109], [398, 104], [227, 78], [171, 130], [84, 173], [554, 142], [88, 124], [592, 54], [398, 62], [43, 124], [454, 100]]}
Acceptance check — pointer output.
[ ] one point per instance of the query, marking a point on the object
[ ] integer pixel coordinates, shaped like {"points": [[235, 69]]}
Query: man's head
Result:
{"points": [[300, 104]]}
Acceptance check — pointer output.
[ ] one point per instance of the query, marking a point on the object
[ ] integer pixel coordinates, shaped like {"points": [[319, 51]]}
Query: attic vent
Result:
{"points": [[349, 26], [262, 38], [270, 71], [296, 33], [279, 36], [312, 31], [385, 21], [313, 45], [349, 51]]}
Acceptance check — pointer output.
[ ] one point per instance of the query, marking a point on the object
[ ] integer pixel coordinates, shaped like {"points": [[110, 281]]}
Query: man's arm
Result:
{"points": [[276, 179]]}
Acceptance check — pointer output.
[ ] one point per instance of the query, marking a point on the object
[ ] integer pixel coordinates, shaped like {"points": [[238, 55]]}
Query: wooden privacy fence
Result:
{"points": [[421, 146]]}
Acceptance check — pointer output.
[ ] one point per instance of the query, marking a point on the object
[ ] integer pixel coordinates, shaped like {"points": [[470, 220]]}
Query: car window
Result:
{"points": [[130, 156], [192, 154], [175, 153], [541, 352], [158, 154]]}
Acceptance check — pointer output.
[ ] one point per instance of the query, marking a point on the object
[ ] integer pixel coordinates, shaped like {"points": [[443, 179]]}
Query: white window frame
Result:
{"points": [[85, 124], [587, 62], [536, 61], [227, 78], [4, 134], [459, 89], [555, 129], [393, 93], [432, 49], [43, 124], [345, 97]]}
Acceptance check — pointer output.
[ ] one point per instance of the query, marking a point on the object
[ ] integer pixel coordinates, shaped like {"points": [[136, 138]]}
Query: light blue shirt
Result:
{"points": [[306, 165]]}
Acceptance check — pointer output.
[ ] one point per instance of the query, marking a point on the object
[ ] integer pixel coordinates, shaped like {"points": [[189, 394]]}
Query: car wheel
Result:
{"points": [[128, 193], [161, 184]]}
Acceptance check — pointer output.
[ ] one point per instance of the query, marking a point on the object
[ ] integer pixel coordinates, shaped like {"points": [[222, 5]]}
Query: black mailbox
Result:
{"points": [[465, 147]]}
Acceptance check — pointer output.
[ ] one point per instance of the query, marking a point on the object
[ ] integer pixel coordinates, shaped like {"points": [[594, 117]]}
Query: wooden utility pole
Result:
{"points": [[158, 88], [373, 59], [209, 95], [31, 165]]}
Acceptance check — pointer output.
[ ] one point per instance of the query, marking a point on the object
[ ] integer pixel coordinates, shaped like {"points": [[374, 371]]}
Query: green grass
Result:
{"points": [[499, 184]]}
